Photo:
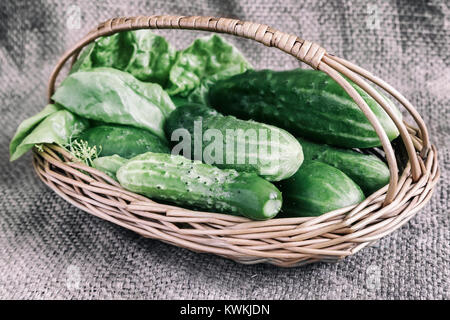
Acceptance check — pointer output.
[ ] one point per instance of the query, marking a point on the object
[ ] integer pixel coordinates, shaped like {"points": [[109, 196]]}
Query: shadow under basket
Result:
{"points": [[283, 242]]}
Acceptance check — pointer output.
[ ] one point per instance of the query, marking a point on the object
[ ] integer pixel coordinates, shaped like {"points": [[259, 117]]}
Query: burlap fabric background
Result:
{"points": [[49, 249]]}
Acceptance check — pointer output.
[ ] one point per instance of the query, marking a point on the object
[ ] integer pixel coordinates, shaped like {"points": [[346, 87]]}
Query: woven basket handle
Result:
{"points": [[305, 51]]}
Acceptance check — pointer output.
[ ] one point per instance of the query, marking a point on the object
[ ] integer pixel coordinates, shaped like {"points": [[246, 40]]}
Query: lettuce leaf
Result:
{"points": [[113, 96], [57, 127], [145, 55], [27, 126], [204, 62]]}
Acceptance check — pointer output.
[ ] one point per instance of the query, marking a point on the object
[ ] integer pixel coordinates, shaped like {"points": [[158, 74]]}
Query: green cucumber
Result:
{"points": [[369, 172], [307, 103], [246, 146], [109, 164], [184, 182], [125, 141], [317, 188]]}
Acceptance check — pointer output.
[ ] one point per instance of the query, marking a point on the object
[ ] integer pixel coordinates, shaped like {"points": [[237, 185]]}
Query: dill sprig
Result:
{"points": [[81, 150]]}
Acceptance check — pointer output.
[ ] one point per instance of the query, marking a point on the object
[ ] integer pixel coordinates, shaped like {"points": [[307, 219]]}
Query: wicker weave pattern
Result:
{"points": [[283, 242]]}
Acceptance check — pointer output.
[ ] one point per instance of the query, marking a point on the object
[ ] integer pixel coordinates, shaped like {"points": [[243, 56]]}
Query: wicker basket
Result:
{"points": [[284, 242]]}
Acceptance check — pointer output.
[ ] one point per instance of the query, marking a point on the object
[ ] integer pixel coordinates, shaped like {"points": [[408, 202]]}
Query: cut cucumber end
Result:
{"points": [[271, 208]]}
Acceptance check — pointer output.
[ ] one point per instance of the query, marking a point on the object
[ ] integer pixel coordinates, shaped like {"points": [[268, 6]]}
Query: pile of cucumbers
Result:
{"points": [[201, 129]]}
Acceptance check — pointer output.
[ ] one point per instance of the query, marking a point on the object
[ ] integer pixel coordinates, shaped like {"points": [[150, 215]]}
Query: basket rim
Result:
{"points": [[289, 242]]}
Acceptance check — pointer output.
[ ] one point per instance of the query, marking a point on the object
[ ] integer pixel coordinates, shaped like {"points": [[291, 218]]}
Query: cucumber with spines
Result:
{"points": [[307, 103], [369, 172], [246, 146], [184, 182], [125, 141]]}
